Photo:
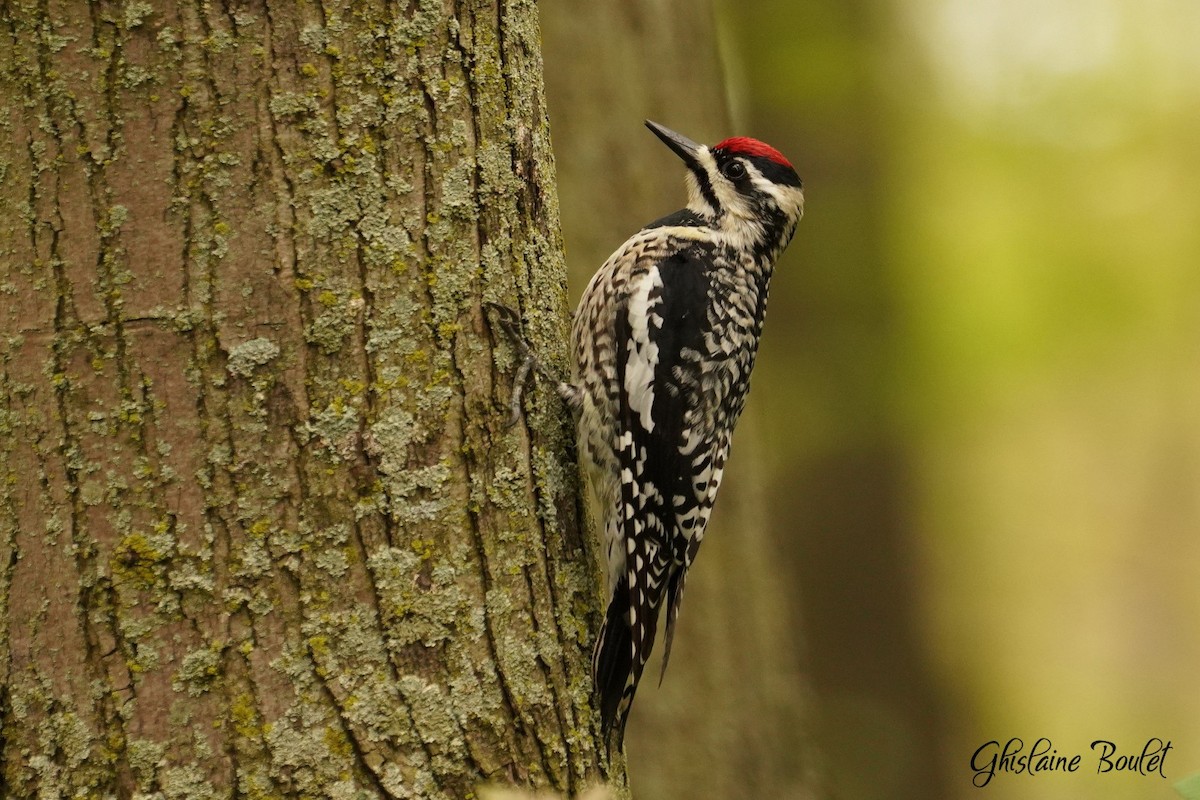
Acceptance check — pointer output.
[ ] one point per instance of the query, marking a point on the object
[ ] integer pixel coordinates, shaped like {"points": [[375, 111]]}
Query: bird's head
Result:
{"points": [[741, 186]]}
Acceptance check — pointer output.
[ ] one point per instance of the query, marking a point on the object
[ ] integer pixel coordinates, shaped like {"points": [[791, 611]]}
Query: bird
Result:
{"points": [[663, 343]]}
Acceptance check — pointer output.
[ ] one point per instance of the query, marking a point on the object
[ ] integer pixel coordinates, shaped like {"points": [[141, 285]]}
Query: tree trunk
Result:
{"points": [[263, 531]]}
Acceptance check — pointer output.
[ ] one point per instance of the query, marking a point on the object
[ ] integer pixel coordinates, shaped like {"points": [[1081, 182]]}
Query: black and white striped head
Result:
{"points": [[742, 187]]}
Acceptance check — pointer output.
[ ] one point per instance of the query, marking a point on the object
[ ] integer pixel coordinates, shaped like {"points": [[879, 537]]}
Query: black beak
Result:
{"points": [[683, 147]]}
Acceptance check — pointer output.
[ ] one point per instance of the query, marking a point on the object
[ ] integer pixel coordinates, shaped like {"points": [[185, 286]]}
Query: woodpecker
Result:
{"points": [[664, 340]]}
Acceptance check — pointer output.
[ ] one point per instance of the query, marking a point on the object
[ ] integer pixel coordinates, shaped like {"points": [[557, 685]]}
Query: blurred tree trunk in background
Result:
{"points": [[844, 476], [262, 529], [731, 718]]}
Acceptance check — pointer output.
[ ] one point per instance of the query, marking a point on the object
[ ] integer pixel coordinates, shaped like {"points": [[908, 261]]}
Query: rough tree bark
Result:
{"points": [[263, 532]]}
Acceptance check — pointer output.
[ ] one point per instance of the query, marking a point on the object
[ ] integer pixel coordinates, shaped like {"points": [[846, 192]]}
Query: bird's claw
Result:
{"points": [[510, 323]]}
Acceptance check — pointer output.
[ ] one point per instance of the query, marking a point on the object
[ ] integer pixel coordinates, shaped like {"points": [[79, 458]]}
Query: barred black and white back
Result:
{"points": [[664, 340]]}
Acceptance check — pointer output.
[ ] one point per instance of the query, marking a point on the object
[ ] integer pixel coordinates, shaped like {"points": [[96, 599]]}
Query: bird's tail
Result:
{"points": [[615, 670]]}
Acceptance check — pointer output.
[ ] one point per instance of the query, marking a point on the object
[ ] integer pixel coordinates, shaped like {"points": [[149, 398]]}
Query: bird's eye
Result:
{"points": [[733, 170]]}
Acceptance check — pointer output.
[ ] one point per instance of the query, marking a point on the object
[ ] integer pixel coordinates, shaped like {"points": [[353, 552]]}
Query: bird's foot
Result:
{"points": [[508, 321]]}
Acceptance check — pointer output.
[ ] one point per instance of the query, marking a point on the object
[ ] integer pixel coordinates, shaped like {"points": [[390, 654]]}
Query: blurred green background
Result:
{"points": [[971, 462]]}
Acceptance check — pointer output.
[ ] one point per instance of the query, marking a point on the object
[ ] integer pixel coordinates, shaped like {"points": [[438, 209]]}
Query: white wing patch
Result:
{"points": [[643, 352]]}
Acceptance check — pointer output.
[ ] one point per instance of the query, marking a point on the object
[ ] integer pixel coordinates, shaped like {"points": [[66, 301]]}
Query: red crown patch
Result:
{"points": [[745, 146]]}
